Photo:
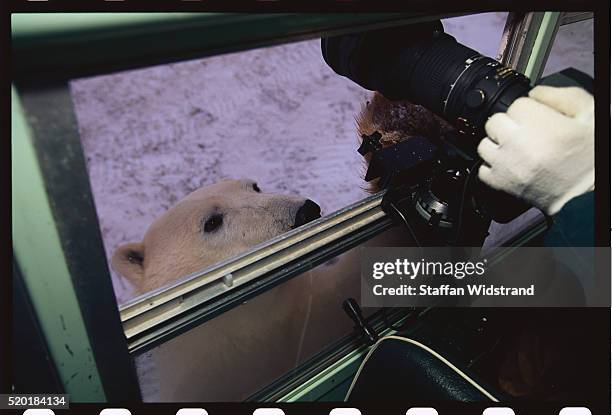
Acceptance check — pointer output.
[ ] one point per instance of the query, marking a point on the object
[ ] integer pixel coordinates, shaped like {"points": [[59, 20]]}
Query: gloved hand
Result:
{"points": [[542, 149]]}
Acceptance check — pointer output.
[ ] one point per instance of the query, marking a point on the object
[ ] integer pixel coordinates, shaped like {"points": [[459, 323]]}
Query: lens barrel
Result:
{"points": [[423, 64], [457, 83]]}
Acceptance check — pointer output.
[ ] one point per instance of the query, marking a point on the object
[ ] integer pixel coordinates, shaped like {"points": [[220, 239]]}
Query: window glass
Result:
{"points": [[245, 349], [573, 47], [481, 32]]}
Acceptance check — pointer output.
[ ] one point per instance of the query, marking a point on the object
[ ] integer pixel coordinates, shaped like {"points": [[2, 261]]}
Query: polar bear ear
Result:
{"points": [[128, 260]]}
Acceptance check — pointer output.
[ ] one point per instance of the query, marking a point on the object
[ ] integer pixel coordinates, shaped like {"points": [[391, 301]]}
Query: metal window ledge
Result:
{"points": [[65, 46], [163, 314]]}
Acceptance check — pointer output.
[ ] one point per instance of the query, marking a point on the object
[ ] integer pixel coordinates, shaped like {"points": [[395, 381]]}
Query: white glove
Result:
{"points": [[542, 149]]}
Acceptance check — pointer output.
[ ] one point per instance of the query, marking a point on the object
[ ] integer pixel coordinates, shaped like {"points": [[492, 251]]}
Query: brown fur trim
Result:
{"points": [[397, 121]]}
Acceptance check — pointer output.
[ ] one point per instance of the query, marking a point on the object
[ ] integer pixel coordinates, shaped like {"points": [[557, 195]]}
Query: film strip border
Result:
{"points": [[387, 408], [575, 7]]}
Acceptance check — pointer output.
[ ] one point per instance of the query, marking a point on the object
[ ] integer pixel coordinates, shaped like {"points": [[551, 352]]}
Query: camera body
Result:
{"points": [[432, 186]]}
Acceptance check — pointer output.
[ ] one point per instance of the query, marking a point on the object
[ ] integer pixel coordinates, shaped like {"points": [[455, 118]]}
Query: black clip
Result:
{"points": [[353, 310], [370, 143]]}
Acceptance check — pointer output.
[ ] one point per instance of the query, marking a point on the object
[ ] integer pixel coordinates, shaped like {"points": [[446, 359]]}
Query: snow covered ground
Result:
{"points": [[278, 115]]}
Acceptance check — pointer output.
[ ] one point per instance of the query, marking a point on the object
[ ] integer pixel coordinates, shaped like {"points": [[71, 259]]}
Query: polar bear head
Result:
{"points": [[211, 224]]}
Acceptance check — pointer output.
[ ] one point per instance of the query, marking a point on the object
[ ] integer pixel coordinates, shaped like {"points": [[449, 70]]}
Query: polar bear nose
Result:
{"points": [[308, 212]]}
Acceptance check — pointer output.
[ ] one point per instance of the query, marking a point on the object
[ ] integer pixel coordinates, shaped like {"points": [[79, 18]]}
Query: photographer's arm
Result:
{"points": [[542, 148]]}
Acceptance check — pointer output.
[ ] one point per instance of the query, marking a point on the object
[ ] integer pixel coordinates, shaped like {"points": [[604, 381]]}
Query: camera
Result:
{"points": [[432, 185]]}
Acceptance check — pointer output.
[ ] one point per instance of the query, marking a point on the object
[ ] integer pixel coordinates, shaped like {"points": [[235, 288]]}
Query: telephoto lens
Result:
{"points": [[422, 64]]}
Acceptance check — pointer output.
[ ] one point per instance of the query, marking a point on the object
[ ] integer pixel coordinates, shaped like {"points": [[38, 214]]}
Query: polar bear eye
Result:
{"points": [[213, 223], [256, 188]]}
